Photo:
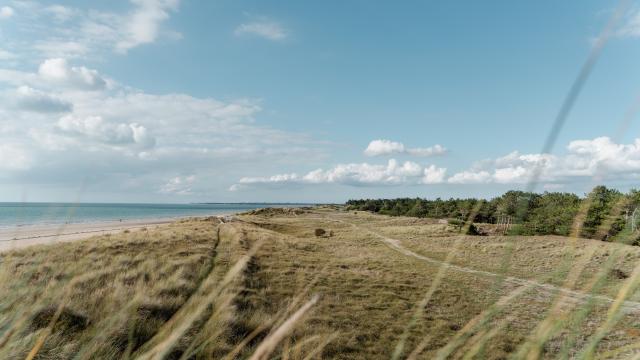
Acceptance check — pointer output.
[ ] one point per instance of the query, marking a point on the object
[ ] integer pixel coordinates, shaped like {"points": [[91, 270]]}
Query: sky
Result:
{"points": [[180, 101]]}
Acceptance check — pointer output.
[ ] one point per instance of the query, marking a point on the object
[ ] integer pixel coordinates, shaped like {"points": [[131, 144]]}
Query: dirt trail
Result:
{"points": [[570, 296]]}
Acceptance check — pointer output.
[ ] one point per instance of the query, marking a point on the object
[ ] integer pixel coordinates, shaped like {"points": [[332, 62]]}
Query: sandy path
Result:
{"points": [[19, 237], [569, 296]]}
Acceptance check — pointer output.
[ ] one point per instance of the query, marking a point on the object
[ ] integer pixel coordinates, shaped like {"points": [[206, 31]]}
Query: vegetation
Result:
{"points": [[186, 290], [602, 214], [263, 285]]}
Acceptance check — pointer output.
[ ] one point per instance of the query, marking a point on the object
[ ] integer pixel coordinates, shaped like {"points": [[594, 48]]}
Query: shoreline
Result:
{"points": [[21, 236]]}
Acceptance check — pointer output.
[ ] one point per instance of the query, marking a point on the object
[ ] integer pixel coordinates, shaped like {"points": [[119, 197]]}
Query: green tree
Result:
{"points": [[601, 212], [419, 208], [554, 213]]}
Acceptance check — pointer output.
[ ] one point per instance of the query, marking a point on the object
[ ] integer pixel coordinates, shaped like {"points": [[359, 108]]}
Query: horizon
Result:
{"points": [[169, 101], [579, 195], [150, 203]]}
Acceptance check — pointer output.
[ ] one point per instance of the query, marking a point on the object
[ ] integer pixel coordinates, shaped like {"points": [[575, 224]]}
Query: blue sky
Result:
{"points": [[180, 101]]}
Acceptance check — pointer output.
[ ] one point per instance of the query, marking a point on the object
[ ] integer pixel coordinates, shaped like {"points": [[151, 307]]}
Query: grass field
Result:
{"points": [[264, 285]]}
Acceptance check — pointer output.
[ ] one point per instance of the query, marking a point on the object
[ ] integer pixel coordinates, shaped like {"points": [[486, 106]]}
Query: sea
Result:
{"points": [[24, 214]]}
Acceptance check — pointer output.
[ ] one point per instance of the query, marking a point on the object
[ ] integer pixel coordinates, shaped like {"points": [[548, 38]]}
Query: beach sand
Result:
{"points": [[23, 236]]}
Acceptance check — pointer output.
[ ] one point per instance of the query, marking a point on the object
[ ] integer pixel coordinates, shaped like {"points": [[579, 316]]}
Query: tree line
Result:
{"points": [[604, 213]]}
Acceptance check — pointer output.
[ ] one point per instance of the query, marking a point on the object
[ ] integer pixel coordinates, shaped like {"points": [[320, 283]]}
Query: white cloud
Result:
{"points": [[179, 185], [602, 156], [383, 147], [131, 137], [142, 26], [517, 168], [599, 157], [30, 99], [57, 74], [264, 28], [434, 175], [57, 70], [80, 32], [235, 187], [429, 151], [96, 129], [357, 174], [6, 12], [387, 147], [275, 179]]}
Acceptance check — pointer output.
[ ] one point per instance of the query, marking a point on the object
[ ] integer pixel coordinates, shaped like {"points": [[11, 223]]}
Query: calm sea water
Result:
{"points": [[13, 214]]}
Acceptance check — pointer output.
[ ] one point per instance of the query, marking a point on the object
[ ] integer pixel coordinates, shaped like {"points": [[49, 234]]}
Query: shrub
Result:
{"points": [[473, 230]]}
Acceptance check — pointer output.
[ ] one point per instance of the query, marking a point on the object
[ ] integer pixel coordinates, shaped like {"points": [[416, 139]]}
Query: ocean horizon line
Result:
{"points": [[164, 203]]}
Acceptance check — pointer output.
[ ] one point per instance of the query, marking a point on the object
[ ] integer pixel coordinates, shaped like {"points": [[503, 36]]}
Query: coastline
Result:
{"points": [[18, 237]]}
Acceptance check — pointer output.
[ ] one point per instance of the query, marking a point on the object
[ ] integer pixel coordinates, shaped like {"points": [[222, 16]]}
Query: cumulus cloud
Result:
{"points": [[30, 99], [142, 26], [62, 120], [357, 174], [96, 129], [6, 12], [263, 28], [387, 147], [513, 168], [434, 175], [57, 70], [599, 157], [383, 147]]}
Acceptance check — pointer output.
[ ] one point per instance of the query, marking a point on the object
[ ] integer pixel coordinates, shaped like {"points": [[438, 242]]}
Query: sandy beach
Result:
{"points": [[23, 236]]}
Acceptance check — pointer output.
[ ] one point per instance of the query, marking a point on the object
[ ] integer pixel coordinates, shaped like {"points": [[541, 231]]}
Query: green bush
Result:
{"points": [[472, 230], [549, 213]]}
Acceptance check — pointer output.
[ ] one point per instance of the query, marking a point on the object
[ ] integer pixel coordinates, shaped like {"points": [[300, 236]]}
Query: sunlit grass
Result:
{"points": [[265, 286]]}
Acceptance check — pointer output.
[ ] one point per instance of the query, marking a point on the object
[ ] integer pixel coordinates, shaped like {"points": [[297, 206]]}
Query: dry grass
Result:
{"points": [[202, 289], [123, 287]]}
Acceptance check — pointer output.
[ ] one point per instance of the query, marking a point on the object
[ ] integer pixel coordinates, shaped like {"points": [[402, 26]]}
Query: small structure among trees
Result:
{"points": [[504, 224]]}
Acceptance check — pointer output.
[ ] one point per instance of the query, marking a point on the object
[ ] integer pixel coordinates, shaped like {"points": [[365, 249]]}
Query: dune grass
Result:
{"points": [[266, 286], [176, 291]]}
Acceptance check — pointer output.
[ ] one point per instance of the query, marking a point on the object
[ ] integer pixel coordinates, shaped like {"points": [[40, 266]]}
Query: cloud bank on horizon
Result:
{"points": [[66, 121], [600, 159]]}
